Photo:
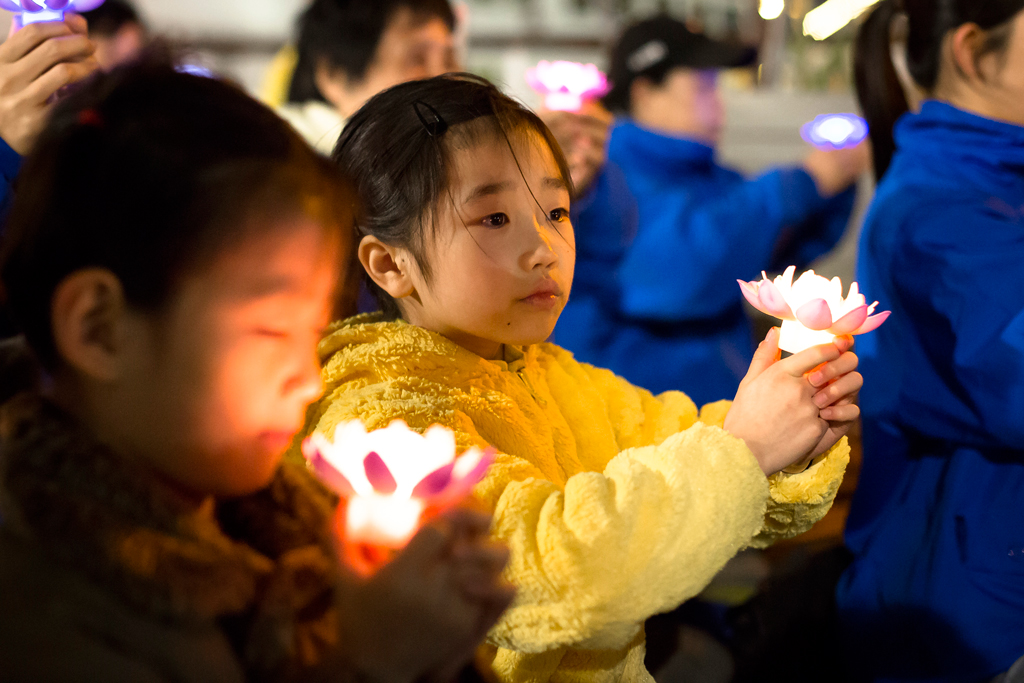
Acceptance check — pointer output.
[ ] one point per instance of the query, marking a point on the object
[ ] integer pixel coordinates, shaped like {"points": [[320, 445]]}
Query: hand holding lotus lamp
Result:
{"points": [[812, 309], [389, 480], [567, 85]]}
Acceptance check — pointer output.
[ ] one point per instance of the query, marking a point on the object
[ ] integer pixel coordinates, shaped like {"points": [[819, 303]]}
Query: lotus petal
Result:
{"points": [[10, 6], [325, 472], [31, 5], [773, 303], [815, 315], [435, 482], [851, 321], [749, 289], [378, 474], [786, 279], [463, 485], [873, 323], [57, 4]]}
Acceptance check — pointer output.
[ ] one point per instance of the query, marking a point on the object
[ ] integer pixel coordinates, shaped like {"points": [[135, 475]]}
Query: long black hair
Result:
{"points": [[928, 23], [149, 173], [398, 150]]}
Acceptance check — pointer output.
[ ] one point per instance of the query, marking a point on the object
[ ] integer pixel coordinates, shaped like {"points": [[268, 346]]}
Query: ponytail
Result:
{"points": [[879, 90]]}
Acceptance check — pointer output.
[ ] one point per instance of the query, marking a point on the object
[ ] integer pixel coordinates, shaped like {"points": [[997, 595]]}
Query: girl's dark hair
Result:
{"points": [[344, 34], [150, 173], [928, 22], [399, 148]]}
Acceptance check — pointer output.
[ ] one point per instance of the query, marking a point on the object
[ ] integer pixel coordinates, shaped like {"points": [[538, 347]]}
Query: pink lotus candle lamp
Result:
{"points": [[812, 309], [389, 479], [32, 11], [566, 85]]}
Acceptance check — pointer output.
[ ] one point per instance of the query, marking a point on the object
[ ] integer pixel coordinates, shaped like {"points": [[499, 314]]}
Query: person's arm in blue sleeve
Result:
{"points": [[691, 250], [10, 164], [816, 236], [970, 321]]}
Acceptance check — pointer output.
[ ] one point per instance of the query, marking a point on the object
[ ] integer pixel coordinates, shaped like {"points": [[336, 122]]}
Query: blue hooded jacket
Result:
{"points": [[661, 239], [10, 164], [936, 592]]}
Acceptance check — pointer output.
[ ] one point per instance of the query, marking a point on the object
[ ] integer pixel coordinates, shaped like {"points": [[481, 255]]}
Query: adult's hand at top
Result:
{"points": [[583, 136], [35, 63]]}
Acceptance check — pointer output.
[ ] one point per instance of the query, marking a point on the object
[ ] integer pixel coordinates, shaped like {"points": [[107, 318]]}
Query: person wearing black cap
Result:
{"points": [[665, 232]]}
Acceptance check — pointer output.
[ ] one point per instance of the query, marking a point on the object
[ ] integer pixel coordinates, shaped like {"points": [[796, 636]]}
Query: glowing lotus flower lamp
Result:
{"points": [[812, 309], [32, 11], [390, 477], [835, 131], [566, 85]]}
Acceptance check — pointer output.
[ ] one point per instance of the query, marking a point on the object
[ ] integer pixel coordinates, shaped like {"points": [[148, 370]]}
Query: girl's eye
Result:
{"points": [[558, 215], [270, 333], [496, 220]]}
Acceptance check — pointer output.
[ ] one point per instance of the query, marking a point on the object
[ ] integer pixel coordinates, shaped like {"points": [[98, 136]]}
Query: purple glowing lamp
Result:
{"points": [[32, 11], [835, 131], [566, 85]]}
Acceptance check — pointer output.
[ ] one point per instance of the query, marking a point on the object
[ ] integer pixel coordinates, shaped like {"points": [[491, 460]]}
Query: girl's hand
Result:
{"points": [[422, 615], [775, 413]]}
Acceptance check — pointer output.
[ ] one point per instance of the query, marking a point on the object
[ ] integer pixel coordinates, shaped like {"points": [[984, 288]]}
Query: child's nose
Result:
{"points": [[541, 252], [307, 384]]}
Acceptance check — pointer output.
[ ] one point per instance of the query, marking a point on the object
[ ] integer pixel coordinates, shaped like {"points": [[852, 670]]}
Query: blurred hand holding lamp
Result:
{"points": [[812, 309], [32, 11], [566, 85], [835, 131], [389, 479]]}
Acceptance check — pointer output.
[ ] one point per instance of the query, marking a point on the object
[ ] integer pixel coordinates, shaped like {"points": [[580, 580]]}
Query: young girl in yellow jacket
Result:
{"points": [[617, 504]]}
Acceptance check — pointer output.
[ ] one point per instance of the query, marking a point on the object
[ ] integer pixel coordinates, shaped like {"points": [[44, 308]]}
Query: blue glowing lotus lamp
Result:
{"points": [[32, 11], [835, 131]]}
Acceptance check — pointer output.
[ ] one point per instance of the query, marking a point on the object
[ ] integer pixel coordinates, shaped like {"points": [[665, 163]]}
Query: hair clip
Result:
{"points": [[431, 120], [90, 117]]}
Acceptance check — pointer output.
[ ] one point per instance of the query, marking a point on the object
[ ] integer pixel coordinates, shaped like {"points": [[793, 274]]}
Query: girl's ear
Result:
{"points": [[87, 319], [388, 266], [965, 44]]}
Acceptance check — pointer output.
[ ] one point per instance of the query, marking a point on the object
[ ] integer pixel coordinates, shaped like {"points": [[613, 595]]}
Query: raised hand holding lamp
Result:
{"points": [[390, 480]]}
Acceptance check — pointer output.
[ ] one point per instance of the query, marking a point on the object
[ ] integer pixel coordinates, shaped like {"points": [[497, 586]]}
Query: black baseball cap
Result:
{"points": [[654, 46]]}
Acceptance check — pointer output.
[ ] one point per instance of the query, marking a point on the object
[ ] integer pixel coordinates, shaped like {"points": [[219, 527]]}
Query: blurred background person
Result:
{"points": [[936, 589], [667, 231], [118, 32], [349, 50]]}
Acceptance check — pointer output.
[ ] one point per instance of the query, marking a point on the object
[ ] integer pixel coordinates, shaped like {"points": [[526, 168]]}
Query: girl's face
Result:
{"points": [[502, 257], [217, 384]]}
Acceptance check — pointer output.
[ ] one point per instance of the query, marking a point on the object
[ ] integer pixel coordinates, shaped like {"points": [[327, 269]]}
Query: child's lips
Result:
{"points": [[547, 295]]}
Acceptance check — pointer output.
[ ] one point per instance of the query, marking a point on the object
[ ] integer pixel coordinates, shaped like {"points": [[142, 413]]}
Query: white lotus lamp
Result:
{"points": [[812, 309], [566, 85], [390, 477]]}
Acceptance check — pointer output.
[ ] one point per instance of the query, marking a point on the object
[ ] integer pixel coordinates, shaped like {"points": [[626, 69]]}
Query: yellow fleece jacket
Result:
{"points": [[616, 504]]}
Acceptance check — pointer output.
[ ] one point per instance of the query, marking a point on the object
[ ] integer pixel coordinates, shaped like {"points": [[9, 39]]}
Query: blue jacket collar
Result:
{"points": [[963, 144], [632, 145]]}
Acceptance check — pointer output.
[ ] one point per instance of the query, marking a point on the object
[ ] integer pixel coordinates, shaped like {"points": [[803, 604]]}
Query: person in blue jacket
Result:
{"points": [[665, 231], [936, 589], [35, 62]]}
